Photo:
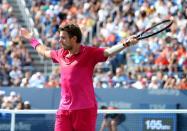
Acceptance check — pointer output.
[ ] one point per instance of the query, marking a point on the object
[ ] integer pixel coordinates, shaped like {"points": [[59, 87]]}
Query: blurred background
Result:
{"points": [[149, 75]]}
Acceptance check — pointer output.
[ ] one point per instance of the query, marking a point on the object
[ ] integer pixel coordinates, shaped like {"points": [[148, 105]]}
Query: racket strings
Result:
{"points": [[155, 29]]}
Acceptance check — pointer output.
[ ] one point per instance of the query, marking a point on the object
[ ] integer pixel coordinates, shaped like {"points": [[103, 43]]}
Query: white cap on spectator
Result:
{"points": [[154, 78], [86, 7], [138, 50], [2, 93], [51, 7], [26, 102], [1, 43], [12, 93]]}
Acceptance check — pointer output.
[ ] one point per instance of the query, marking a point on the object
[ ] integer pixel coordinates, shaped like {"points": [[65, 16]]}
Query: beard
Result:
{"points": [[66, 47]]}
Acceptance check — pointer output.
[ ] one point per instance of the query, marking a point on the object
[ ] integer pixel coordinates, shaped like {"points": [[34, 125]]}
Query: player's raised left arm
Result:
{"points": [[40, 48]]}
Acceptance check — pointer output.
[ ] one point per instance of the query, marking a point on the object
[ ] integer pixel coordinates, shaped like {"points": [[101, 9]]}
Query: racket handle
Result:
{"points": [[126, 44], [132, 41]]}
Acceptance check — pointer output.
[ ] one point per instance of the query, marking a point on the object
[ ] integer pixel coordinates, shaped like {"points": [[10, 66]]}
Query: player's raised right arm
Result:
{"points": [[41, 49]]}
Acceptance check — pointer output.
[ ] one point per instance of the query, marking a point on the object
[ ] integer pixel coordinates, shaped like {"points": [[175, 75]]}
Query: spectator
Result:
{"points": [[141, 83], [27, 105], [19, 106], [15, 75], [52, 82], [138, 57], [183, 83], [37, 80], [13, 101], [25, 80], [170, 83], [111, 121], [160, 77], [2, 93], [119, 78], [154, 83], [7, 103]]}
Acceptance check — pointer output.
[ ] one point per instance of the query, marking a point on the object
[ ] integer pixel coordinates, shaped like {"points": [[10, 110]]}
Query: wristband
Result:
{"points": [[34, 42]]}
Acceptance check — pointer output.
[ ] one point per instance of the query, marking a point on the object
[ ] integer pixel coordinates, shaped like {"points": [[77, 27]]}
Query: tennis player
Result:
{"points": [[78, 107]]}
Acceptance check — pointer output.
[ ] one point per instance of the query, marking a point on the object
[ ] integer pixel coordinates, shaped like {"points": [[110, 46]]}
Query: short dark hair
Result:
{"points": [[103, 107], [72, 30]]}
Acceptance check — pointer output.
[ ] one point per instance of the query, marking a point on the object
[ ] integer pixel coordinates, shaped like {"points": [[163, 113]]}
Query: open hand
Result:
{"points": [[26, 34]]}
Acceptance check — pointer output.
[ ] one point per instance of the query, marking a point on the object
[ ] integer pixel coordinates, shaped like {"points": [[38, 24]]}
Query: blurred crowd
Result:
{"points": [[13, 101], [157, 62], [14, 56]]}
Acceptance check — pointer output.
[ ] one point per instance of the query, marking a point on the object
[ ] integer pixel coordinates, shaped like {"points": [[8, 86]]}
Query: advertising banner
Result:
{"points": [[28, 122]]}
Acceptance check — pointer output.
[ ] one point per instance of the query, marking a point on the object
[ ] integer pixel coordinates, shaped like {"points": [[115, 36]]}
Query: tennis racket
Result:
{"points": [[153, 30]]}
